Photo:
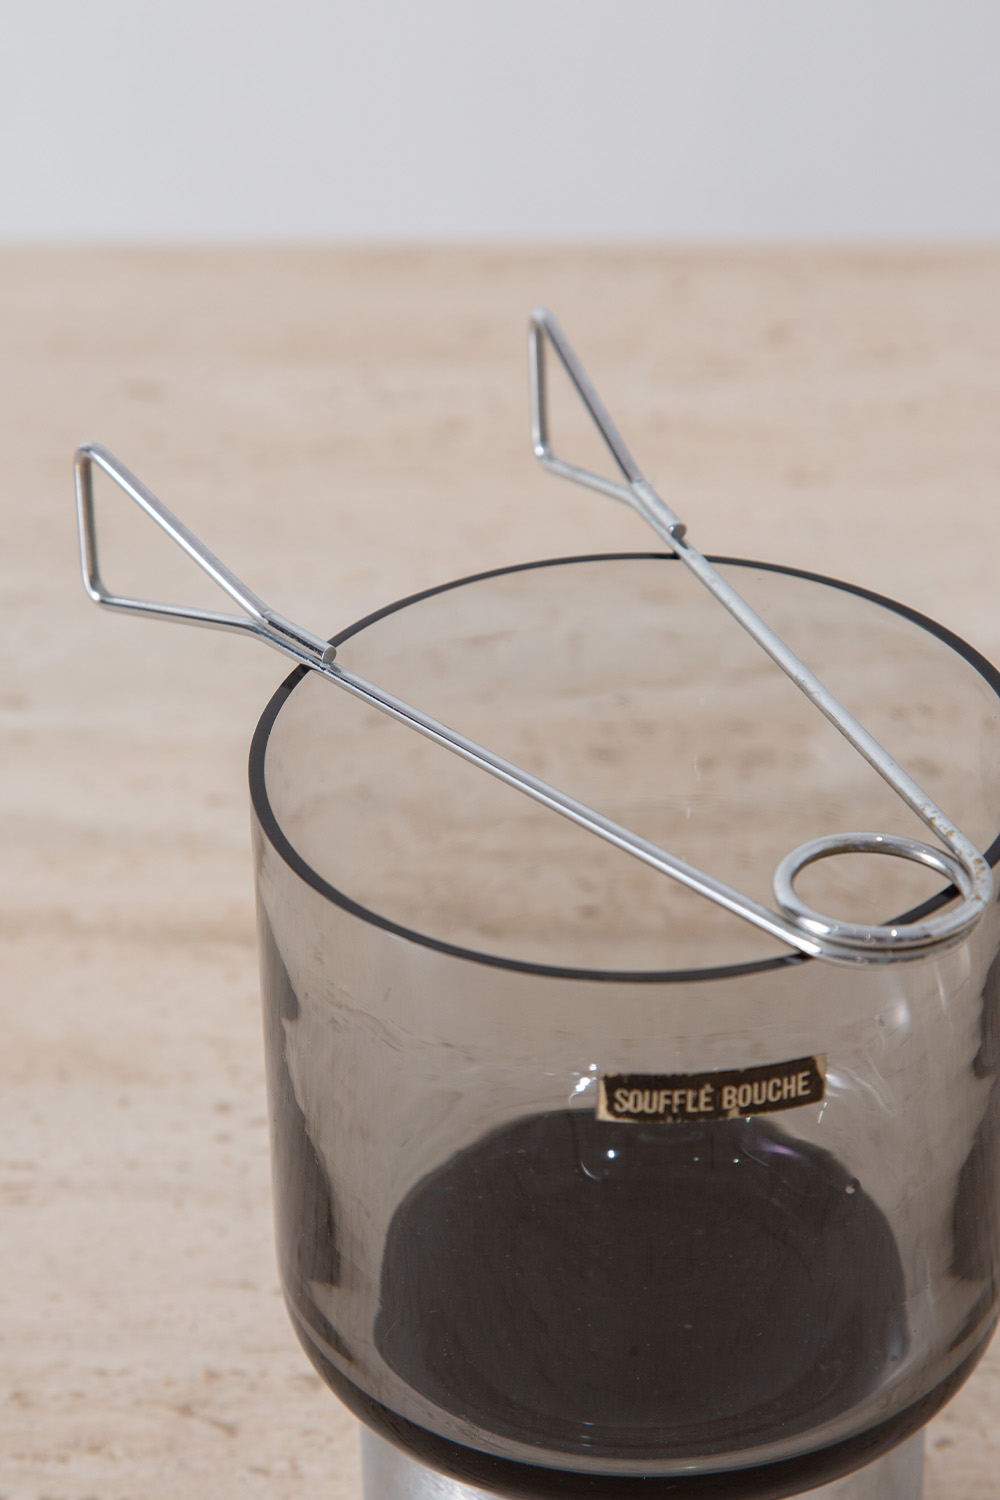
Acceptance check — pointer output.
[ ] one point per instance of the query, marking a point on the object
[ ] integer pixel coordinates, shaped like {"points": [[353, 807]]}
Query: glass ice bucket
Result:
{"points": [[582, 1185]]}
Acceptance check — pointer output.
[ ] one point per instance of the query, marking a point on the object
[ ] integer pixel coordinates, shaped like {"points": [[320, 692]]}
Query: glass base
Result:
{"points": [[391, 1474]]}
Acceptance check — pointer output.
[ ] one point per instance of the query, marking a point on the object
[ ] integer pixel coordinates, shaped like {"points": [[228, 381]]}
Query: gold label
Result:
{"points": [[672, 1098]]}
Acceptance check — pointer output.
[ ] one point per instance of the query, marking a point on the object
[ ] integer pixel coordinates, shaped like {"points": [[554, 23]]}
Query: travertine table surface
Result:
{"points": [[346, 427]]}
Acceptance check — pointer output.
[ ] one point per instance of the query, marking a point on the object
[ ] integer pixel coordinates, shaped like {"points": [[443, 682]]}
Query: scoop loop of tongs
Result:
{"points": [[808, 931]]}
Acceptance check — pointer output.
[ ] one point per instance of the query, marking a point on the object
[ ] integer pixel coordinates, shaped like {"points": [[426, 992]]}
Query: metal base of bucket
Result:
{"points": [[390, 1474]]}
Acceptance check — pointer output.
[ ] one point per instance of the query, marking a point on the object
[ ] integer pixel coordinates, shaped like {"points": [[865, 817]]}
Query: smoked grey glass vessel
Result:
{"points": [[522, 1294]]}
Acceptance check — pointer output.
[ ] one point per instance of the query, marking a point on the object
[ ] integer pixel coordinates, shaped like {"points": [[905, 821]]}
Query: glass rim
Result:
{"points": [[282, 845]]}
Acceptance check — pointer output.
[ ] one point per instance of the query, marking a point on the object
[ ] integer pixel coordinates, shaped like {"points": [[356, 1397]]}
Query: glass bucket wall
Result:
{"points": [[524, 1293]]}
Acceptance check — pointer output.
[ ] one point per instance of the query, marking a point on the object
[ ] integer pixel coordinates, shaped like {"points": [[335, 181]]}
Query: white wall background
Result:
{"points": [[379, 120]]}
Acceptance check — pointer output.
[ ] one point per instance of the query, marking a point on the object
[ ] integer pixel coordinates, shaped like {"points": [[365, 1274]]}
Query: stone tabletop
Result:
{"points": [[345, 427]]}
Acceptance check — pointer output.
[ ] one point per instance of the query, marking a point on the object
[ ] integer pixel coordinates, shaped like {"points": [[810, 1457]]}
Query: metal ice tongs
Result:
{"points": [[794, 923]]}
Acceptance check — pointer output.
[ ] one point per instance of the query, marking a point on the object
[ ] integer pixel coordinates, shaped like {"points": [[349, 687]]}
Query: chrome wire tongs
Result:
{"points": [[795, 923]]}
